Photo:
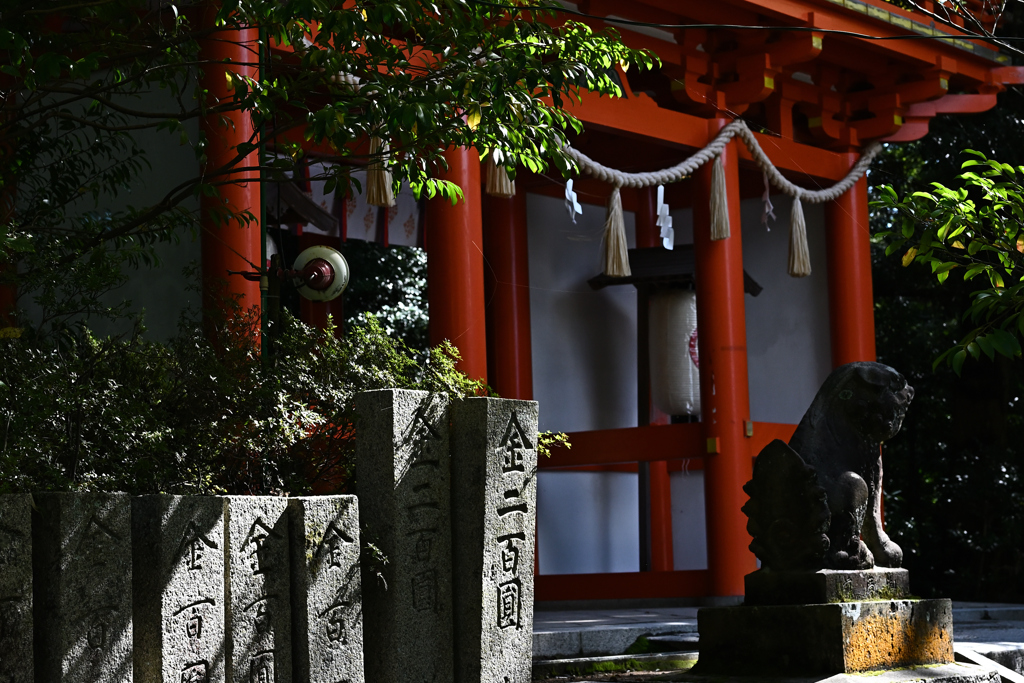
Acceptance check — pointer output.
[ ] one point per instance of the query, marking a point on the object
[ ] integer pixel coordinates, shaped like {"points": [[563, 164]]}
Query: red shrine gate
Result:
{"points": [[820, 96]]}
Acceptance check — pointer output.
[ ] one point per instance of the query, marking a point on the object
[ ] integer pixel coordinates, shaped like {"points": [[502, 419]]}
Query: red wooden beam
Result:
{"points": [[632, 444], [639, 116], [652, 443], [623, 586]]}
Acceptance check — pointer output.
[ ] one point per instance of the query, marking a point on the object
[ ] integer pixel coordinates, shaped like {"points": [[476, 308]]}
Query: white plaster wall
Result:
{"points": [[587, 522], [584, 341], [788, 347], [162, 290], [584, 359], [689, 540]]}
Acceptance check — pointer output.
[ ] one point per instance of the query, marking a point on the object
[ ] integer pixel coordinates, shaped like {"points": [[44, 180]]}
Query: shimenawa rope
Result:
{"points": [[616, 257]]}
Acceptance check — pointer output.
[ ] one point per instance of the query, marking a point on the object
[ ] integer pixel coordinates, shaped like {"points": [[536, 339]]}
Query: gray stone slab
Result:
{"points": [[494, 513], [82, 587], [1005, 653], [583, 666], [607, 640], [967, 653], [946, 673], [843, 637], [557, 644], [16, 588], [767, 587], [403, 474], [259, 646], [179, 593], [327, 597]]}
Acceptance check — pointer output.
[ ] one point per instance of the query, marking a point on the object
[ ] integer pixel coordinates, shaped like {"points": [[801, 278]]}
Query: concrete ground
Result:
{"points": [[569, 642]]}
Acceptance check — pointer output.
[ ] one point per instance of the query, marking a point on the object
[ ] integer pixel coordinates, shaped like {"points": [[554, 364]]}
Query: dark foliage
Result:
{"points": [[390, 283], [81, 413], [954, 492]]}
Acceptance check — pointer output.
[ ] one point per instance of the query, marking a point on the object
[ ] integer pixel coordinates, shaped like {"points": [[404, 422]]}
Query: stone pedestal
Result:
{"points": [[844, 637], [494, 511], [327, 615], [943, 673], [16, 588], [403, 472], [259, 647], [767, 587], [178, 553], [83, 587]]}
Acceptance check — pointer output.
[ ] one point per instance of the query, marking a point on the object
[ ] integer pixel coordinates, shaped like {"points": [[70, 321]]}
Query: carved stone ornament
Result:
{"points": [[815, 503]]}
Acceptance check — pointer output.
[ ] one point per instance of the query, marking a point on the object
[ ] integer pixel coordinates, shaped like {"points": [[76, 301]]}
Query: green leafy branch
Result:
{"points": [[976, 230]]}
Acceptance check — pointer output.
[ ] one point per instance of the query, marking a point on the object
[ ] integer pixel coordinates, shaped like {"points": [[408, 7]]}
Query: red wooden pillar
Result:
{"points": [[660, 490], [850, 298], [724, 392], [507, 293], [226, 244], [455, 266]]}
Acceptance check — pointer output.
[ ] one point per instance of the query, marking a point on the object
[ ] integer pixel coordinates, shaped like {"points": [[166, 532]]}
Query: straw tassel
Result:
{"points": [[616, 254], [799, 257], [498, 182], [379, 190], [719, 202]]}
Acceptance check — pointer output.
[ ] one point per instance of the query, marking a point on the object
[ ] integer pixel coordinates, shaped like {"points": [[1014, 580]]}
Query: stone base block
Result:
{"points": [[943, 673], [766, 587], [834, 638]]}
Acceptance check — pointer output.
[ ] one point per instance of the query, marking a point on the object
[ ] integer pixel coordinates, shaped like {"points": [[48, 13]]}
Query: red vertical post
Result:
{"points": [[507, 293], [851, 304], [226, 243], [724, 392], [649, 235], [455, 265]]}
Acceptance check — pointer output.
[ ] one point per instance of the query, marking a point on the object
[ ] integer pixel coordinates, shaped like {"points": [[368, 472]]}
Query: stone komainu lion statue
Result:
{"points": [[812, 501]]}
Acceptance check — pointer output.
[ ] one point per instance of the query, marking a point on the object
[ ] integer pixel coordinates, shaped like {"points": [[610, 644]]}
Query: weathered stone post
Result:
{"points": [[494, 508], [403, 475], [82, 578], [259, 648], [16, 588], [327, 601], [178, 569]]}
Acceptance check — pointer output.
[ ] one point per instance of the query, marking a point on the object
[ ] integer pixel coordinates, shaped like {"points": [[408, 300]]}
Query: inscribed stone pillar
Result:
{"points": [[259, 596], [403, 470], [327, 601], [82, 577], [178, 557], [16, 588], [494, 510]]}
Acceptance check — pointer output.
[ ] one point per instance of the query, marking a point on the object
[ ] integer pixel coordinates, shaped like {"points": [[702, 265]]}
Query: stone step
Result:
{"points": [[970, 654], [983, 612], [580, 641], [583, 666], [945, 673]]}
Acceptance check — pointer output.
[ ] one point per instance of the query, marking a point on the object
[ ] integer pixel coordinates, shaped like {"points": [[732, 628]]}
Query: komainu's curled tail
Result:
{"points": [[788, 516]]}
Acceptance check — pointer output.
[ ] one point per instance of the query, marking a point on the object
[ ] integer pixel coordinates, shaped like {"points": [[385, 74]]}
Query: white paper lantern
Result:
{"points": [[675, 378]]}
